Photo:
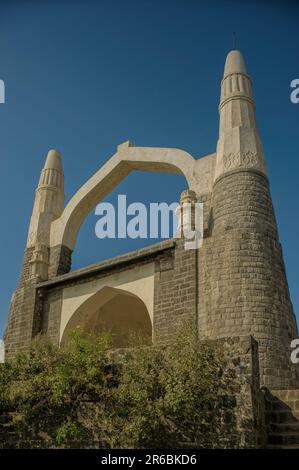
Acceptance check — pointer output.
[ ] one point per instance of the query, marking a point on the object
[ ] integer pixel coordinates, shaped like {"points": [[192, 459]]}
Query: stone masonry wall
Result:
{"points": [[20, 325], [242, 281], [24, 276], [52, 305], [175, 296], [242, 406], [60, 261]]}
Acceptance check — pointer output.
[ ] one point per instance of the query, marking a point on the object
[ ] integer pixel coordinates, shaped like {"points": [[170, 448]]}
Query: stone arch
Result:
{"points": [[64, 230], [118, 311]]}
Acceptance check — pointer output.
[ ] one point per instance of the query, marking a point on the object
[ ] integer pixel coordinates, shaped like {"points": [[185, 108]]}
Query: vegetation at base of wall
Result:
{"points": [[150, 397]]}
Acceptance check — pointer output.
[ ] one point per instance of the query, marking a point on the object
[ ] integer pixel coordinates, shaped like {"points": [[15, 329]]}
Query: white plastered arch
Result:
{"points": [[64, 230]]}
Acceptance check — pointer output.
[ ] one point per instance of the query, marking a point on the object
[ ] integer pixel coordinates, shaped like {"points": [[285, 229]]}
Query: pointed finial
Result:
{"points": [[53, 160], [234, 63], [239, 143], [52, 172]]}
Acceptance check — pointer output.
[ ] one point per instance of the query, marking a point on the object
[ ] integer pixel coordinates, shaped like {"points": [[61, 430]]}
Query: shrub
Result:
{"points": [[154, 397]]}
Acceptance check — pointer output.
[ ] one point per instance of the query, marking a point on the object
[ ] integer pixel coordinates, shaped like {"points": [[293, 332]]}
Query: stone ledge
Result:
{"points": [[110, 263]]}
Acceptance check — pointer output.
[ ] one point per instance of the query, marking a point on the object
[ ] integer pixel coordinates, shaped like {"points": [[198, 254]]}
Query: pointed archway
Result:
{"points": [[116, 311]]}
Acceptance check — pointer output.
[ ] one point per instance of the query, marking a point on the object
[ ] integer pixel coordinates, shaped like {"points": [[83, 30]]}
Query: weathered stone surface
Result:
{"points": [[282, 418], [60, 261], [242, 279], [175, 297], [19, 330]]}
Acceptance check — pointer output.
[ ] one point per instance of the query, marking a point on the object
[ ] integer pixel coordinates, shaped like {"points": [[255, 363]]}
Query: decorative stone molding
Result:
{"points": [[240, 160]]}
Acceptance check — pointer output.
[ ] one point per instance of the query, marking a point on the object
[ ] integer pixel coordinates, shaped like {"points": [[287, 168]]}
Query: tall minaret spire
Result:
{"points": [[48, 206], [239, 144], [24, 319], [243, 288], [49, 199]]}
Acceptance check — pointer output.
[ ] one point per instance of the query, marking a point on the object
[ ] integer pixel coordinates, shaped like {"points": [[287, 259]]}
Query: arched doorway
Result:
{"points": [[119, 312]]}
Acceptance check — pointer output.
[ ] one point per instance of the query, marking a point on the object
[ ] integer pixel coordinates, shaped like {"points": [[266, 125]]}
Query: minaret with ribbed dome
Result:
{"points": [[24, 321], [243, 288], [49, 199], [48, 206], [239, 144]]}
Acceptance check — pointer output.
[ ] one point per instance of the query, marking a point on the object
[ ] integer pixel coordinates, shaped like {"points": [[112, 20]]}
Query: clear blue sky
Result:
{"points": [[84, 76]]}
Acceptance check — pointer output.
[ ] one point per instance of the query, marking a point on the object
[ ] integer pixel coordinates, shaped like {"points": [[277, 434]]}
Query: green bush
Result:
{"points": [[151, 397]]}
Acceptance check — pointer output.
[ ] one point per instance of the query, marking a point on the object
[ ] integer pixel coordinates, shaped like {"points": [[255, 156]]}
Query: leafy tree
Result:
{"points": [[84, 393]]}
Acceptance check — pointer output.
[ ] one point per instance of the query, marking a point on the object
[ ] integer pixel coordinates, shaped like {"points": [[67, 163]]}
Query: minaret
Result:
{"points": [[23, 321], [243, 288], [48, 206], [49, 199], [239, 144]]}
